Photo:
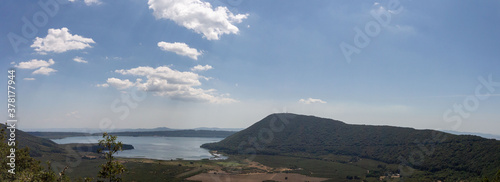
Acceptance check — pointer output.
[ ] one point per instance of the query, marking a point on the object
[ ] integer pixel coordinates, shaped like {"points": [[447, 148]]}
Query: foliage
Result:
{"points": [[309, 136], [26, 167], [29, 169], [112, 169], [494, 179]]}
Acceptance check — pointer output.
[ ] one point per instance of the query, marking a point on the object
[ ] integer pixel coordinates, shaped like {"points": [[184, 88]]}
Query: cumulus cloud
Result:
{"points": [[201, 68], [44, 71], [60, 40], [180, 48], [119, 84], [198, 16], [41, 66], [311, 101], [34, 64], [29, 79], [79, 59], [174, 84]]}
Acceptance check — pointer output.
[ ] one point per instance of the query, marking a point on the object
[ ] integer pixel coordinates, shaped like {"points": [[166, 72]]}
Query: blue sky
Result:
{"points": [[229, 63]]}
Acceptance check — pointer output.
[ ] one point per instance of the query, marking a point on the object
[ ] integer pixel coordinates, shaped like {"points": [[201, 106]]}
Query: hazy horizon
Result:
{"points": [[228, 64]]}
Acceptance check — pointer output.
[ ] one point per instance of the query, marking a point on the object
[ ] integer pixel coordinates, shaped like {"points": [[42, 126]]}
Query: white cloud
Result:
{"points": [[44, 71], [60, 40], [180, 48], [41, 66], [79, 59], [119, 84], [311, 101], [105, 85], [164, 81], [34, 64], [29, 79], [92, 2], [201, 68], [198, 16]]}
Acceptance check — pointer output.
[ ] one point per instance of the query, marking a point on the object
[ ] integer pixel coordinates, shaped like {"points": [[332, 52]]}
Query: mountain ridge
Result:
{"points": [[310, 136]]}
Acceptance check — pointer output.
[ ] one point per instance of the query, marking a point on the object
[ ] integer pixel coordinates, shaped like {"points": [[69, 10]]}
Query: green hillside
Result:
{"points": [[38, 146], [308, 136]]}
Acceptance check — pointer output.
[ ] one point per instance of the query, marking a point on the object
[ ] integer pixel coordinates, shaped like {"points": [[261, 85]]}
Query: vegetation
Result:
{"points": [[452, 157], [38, 146], [92, 147], [112, 169], [56, 135], [286, 143], [25, 168]]}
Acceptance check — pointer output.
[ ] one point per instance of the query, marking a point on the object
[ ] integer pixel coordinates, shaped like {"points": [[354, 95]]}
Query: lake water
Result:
{"points": [[163, 148]]}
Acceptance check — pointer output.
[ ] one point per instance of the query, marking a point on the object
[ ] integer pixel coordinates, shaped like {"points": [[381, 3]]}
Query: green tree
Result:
{"points": [[112, 169], [26, 167], [496, 178]]}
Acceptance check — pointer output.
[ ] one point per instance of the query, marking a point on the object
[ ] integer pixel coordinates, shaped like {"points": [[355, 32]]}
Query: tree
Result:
{"points": [[112, 169], [496, 178], [26, 167]]}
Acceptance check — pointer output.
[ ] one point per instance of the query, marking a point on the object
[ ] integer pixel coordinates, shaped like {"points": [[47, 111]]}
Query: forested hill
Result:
{"points": [[309, 136], [38, 146]]}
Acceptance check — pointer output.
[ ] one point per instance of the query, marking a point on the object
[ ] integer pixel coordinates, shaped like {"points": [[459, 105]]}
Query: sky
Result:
{"points": [[229, 63]]}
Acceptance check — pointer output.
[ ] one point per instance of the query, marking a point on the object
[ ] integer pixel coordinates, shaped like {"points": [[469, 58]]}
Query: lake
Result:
{"points": [[162, 148]]}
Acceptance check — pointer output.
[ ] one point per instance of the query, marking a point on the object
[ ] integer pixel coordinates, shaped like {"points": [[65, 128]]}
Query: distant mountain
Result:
{"points": [[95, 130], [145, 129], [218, 129], [174, 133], [178, 133], [309, 136], [484, 135]]}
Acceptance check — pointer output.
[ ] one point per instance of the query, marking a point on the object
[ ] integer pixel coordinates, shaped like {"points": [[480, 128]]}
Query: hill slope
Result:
{"points": [[309, 136], [38, 146]]}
